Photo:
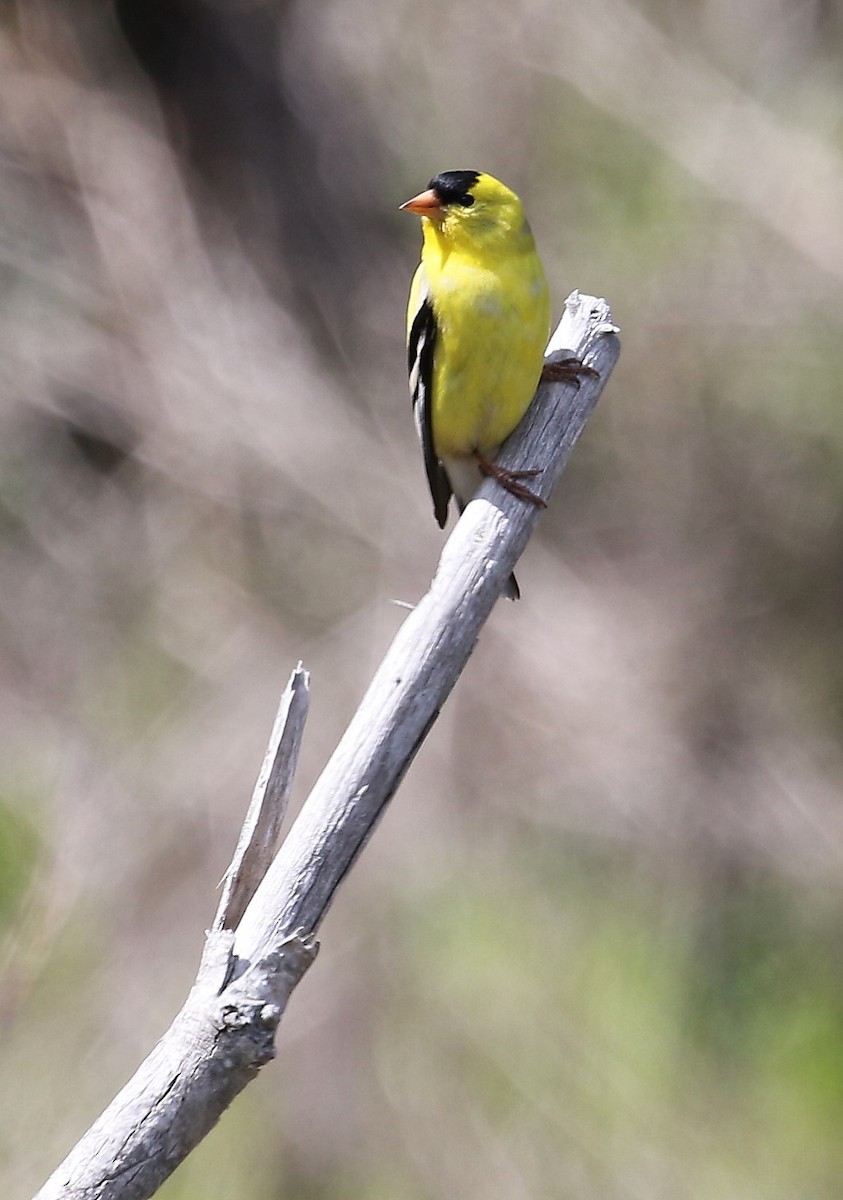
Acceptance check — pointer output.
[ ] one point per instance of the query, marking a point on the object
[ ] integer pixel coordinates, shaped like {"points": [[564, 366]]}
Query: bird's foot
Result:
{"points": [[511, 480], [568, 370]]}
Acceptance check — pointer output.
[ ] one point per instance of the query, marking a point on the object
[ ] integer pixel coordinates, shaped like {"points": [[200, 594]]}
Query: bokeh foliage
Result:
{"points": [[594, 949]]}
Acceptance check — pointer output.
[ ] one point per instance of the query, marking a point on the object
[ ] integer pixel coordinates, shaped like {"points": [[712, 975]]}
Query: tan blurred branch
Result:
{"points": [[226, 1030], [786, 177]]}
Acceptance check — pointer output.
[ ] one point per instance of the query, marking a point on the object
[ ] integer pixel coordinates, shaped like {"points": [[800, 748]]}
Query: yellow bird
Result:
{"points": [[477, 326]]}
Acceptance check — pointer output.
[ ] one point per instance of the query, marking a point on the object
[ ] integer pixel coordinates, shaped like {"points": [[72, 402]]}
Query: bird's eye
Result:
{"points": [[466, 200]]}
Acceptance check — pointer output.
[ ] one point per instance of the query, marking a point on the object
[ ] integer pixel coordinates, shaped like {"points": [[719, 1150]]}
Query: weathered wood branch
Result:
{"points": [[226, 1030], [429, 651], [259, 835]]}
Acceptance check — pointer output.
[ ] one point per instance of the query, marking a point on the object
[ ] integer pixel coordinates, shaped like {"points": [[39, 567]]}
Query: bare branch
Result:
{"points": [[429, 651], [226, 1030], [217, 1043], [260, 831]]}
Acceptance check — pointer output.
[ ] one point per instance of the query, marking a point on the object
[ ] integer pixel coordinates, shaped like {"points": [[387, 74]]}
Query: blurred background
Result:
{"points": [[595, 950]]}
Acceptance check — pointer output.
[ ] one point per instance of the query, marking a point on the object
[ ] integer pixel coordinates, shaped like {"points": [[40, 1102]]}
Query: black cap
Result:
{"points": [[454, 187]]}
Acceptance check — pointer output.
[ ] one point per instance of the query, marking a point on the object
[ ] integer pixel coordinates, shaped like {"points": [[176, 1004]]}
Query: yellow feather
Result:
{"points": [[482, 277], [490, 301]]}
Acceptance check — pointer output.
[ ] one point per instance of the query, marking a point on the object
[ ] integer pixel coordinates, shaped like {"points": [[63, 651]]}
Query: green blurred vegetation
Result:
{"points": [[594, 949]]}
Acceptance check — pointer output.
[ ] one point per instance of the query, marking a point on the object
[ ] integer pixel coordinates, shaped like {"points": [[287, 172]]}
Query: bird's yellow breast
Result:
{"points": [[492, 325]]}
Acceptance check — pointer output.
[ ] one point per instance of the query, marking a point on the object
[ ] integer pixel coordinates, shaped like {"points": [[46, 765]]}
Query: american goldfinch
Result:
{"points": [[477, 325]]}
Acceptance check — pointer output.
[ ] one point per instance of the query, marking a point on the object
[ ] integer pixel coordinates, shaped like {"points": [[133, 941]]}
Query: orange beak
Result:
{"points": [[426, 204]]}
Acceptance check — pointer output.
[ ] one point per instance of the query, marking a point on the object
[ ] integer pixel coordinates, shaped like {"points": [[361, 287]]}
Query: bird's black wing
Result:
{"points": [[421, 346]]}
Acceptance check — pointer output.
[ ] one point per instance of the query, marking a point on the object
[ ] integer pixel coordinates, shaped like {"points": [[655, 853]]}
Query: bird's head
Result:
{"points": [[468, 207]]}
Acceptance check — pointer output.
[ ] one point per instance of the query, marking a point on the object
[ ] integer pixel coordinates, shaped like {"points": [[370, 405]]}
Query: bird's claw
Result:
{"points": [[568, 370], [510, 479]]}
